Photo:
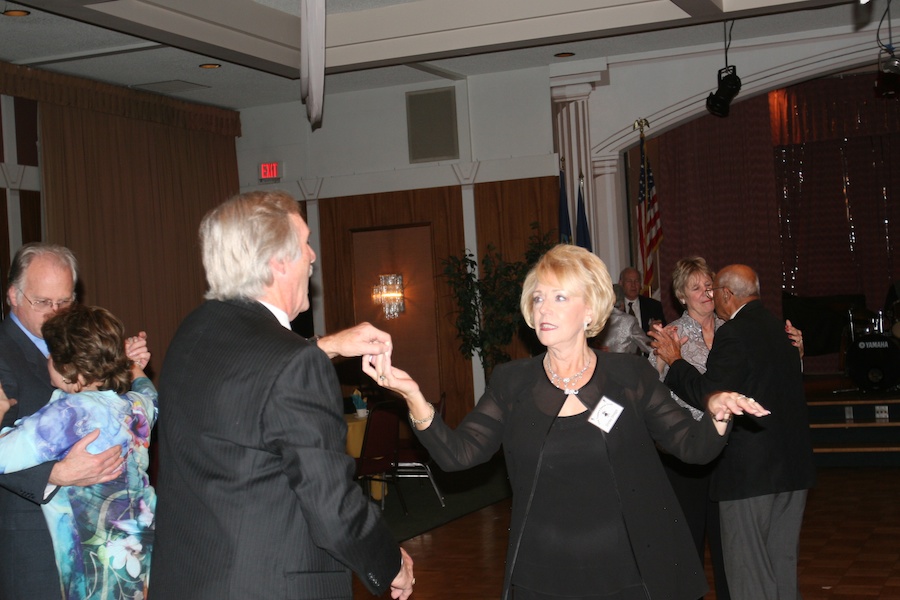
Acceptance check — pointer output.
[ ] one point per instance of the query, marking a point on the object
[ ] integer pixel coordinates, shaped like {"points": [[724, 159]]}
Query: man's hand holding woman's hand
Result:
{"points": [[379, 368], [666, 343], [359, 340]]}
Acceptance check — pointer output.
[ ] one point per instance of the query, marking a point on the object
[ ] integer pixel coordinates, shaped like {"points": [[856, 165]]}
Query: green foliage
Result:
{"points": [[489, 314]]}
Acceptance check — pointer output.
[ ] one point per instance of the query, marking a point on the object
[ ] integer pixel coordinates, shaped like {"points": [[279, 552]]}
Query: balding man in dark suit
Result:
{"points": [[763, 475], [256, 497]]}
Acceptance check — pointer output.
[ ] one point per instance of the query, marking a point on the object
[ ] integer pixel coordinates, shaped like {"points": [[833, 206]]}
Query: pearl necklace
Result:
{"points": [[572, 379]]}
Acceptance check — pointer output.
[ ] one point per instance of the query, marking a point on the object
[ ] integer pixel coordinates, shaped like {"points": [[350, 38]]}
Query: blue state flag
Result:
{"points": [[582, 233], [565, 223]]}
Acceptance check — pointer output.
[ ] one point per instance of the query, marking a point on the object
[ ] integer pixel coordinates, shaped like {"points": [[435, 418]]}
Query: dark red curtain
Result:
{"points": [[835, 146], [717, 198]]}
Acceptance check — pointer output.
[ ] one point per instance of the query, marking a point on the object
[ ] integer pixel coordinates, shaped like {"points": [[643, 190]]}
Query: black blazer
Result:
{"points": [[256, 496], [751, 354], [519, 407], [650, 309], [27, 565]]}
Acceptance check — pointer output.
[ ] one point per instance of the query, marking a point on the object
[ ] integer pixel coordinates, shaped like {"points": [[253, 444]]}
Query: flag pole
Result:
{"points": [[565, 223], [640, 125]]}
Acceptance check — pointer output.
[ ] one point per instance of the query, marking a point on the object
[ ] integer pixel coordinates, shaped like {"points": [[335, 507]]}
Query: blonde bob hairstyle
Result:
{"points": [[684, 270], [239, 237], [578, 271]]}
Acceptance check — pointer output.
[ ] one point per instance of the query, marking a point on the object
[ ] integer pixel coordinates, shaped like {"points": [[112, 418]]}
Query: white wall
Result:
{"points": [[361, 147], [511, 114]]}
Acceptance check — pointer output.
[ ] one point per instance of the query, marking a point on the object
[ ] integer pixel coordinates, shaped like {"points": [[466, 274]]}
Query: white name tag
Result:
{"points": [[605, 414]]}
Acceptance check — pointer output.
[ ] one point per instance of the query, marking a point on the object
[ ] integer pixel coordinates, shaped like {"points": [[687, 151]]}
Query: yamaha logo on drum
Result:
{"points": [[873, 344]]}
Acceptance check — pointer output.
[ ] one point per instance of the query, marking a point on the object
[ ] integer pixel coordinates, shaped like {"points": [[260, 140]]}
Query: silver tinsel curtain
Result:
{"points": [[836, 145]]}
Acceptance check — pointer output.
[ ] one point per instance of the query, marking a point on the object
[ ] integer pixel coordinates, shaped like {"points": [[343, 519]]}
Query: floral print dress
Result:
{"points": [[102, 534]]}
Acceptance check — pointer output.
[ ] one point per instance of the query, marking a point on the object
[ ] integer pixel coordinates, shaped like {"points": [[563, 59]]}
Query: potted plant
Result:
{"points": [[488, 298]]}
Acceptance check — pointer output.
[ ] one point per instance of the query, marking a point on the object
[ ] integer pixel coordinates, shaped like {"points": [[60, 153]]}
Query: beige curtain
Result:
{"points": [[127, 176], [127, 196]]}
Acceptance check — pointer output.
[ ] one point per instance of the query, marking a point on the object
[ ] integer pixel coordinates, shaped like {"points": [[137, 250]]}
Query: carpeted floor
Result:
{"points": [[464, 492]]}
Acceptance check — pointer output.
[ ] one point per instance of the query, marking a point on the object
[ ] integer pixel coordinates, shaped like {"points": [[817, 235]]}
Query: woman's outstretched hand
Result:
{"points": [[379, 368]]}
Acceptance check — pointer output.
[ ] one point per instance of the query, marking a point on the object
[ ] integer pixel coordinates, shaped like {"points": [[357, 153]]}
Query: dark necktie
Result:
{"points": [[631, 309]]}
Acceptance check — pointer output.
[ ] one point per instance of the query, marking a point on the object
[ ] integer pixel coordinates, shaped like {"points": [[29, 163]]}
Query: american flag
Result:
{"points": [[649, 225]]}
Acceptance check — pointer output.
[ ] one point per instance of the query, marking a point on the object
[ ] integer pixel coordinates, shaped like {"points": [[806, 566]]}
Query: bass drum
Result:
{"points": [[873, 362]]}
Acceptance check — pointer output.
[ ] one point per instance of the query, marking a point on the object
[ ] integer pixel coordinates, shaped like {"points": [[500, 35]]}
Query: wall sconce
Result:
{"points": [[389, 294]]}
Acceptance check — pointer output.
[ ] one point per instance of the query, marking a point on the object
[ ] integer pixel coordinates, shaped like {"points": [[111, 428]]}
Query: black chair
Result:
{"points": [[378, 458], [413, 459]]}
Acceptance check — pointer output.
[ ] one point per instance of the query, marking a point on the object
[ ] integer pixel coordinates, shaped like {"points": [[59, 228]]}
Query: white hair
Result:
{"points": [[240, 237]]}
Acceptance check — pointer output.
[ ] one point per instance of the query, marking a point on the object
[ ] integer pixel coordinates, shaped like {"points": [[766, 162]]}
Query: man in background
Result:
{"points": [[41, 282], [763, 475], [256, 491], [646, 310]]}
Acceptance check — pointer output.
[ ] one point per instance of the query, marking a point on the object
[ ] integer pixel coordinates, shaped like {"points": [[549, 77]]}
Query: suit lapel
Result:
{"points": [[36, 360]]}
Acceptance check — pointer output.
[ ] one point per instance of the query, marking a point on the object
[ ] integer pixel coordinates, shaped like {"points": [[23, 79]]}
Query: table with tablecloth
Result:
{"points": [[356, 431]]}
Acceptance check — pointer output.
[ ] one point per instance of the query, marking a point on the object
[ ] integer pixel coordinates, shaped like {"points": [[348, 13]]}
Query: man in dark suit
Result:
{"points": [[256, 496], [647, 310], [762, 478], [41, 282]]}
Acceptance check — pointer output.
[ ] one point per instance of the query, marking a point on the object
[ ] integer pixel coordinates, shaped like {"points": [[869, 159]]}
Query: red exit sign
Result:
{"points": [[269, 171]]}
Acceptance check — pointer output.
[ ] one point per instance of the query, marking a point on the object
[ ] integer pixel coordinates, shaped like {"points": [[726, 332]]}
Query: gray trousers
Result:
{"points": [[760, 541]]}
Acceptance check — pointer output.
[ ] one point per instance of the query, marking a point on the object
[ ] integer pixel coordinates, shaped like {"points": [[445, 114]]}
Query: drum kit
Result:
{"points": [[873, 352]]}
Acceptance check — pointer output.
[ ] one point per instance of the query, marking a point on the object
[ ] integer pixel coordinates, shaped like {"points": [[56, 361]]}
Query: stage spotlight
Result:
{"points": [[887, 79], [719, 102], [891, 64], [887, 85]]}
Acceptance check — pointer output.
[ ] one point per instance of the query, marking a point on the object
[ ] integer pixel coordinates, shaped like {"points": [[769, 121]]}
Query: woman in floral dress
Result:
{"points": [[102, 534]]}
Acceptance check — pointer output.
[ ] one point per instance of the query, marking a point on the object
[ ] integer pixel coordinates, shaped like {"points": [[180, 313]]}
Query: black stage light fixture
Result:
{"points": [[887, 80], [887, 85], [891, 64], [719, 102]]}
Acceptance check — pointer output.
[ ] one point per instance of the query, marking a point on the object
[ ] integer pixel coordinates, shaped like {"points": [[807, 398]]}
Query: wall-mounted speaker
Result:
{"points": [[431, 125]]}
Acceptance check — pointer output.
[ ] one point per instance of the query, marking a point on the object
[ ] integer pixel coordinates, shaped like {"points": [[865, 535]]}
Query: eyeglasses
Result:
{"points": [[44, 305], [709, 291]]}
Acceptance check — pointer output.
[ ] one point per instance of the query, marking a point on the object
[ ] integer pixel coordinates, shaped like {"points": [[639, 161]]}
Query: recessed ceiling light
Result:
{"points": [[564, 54], [16, 12], [210, 66]]}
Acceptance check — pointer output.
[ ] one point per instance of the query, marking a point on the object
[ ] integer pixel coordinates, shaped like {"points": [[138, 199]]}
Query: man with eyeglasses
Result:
{"points": [[41, 282], [763, 475]]}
